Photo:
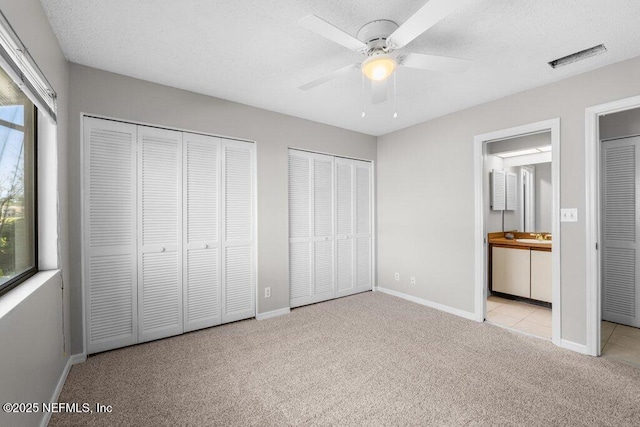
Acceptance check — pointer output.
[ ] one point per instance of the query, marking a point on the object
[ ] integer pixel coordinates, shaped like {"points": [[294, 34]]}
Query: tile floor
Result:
{"points": [[617, 341], [529, 318], [620, 342]]}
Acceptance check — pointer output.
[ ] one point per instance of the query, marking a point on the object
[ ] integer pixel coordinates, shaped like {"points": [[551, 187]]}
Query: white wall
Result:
{"points": [[544, 197], [32, 357], [618, 125], [103, 93], [425, 220], [31, 354]]}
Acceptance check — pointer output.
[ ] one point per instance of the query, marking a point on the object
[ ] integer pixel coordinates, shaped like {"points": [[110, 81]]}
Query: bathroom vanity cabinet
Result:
{"points": [[511, 272], [520, 269], [541, 275]]}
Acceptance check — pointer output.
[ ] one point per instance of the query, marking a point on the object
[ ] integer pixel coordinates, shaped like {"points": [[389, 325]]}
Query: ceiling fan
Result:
{"points": [[378, 39]]}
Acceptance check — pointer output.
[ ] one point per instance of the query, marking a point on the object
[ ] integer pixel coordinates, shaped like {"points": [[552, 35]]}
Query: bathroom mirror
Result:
{"points": [[529, 158]]}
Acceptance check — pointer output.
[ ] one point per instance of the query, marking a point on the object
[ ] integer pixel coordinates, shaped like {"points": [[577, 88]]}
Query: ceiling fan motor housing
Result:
{"points": [[375, 33]]}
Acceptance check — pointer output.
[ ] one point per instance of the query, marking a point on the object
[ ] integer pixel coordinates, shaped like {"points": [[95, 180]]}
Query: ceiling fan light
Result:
{"points": [[379, 67]]}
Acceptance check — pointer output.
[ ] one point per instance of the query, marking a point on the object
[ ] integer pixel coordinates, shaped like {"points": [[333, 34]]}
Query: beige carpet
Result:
{"points": [[368, 359]]}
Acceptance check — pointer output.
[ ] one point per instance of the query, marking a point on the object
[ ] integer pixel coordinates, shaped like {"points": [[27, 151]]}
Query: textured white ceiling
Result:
{"points": [[253, 52]]}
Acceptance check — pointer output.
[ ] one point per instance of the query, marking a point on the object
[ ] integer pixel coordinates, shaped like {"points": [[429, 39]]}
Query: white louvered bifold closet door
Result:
{"points": [[345, 229], [300, 242], [201, 231], [363, 225], [238, 223], [159, 233], [620, 232], [169, 232], [329, 227], [110, 255], [323, 231]]}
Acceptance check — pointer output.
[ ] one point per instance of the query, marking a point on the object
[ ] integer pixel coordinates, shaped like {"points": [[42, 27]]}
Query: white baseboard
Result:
{"points": [[78, 358], [73, 360], [431, 304], [274, 313], [570, 345], [46, 416]]}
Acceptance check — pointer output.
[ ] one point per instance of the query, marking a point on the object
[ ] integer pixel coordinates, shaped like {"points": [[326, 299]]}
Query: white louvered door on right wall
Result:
{"points": [[620, 230]]}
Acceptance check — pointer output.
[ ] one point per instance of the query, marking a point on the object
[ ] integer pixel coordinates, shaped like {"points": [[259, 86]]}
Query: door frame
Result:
{"points": [[480, 245], [592, 214]]}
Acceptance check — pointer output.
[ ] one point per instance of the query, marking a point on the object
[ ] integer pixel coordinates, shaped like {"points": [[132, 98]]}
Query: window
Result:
{"points": [[18, 234]]}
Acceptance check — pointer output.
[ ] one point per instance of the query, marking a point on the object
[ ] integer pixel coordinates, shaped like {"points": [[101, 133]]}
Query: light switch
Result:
{"points": [[569, 215]]}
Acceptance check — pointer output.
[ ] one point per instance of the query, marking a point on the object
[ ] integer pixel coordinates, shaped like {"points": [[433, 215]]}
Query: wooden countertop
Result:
{"points": [[499, 239]]}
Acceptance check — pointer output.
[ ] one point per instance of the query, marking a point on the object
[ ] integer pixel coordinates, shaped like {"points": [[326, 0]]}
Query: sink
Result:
{"points": [[548, 242]]}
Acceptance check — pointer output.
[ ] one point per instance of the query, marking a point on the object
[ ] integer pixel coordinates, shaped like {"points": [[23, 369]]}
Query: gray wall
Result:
{"points": [[544, 197], [426, 211], [31, 354], [618, 125], [100, 92]]}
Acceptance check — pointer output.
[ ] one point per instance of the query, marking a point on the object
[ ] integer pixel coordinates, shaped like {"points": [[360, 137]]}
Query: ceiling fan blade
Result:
{"points": [[326, 30], [434, 62], [330, 76], [378, 91], [426, 17]]}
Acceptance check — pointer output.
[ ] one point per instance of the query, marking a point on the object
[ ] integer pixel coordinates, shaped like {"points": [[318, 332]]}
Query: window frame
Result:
{"points": [[22, 277]]}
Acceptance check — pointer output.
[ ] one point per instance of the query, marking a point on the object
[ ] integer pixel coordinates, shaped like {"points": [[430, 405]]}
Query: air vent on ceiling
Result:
{"points": [[578, 56]]}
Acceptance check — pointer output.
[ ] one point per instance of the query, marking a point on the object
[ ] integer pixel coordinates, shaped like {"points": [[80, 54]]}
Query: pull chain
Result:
{"points": [[395, 98], [362, 97]]}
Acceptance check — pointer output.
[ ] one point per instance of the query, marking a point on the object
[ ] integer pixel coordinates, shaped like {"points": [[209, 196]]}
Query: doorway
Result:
{"points": [[592, 214], [519, 239], [613, 165], [482, 263]]}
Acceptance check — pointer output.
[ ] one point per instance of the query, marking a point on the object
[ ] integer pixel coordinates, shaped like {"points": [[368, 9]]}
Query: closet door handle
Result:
{"points": [[205, 246], [163, 249]]}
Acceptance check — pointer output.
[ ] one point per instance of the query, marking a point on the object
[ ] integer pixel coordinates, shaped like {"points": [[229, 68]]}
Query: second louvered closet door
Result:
{"points": [[363, 226], [238, 265], [345, 242], [201, 272], [323, 230], [329, 227], [159, 233]]}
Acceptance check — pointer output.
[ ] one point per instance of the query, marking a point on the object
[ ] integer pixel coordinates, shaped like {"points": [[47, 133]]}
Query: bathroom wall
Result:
{"points": [[544, 197]]}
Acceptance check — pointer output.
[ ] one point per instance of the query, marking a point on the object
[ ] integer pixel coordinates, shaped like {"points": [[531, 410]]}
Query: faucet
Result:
{"points": [[538, 236]]}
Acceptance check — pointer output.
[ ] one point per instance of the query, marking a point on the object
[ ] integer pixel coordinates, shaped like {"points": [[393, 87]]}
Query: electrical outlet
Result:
{"points": [[413, 280], [267, 292], [397, 277]]}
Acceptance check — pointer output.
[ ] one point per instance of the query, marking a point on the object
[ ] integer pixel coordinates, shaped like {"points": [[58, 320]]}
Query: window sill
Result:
{"points": [[17, 295]]}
